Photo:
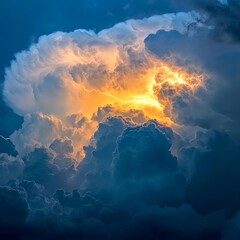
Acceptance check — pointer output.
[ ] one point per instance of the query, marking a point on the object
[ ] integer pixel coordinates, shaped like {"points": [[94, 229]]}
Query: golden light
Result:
{"points": [[150, 92], [144, 96]]}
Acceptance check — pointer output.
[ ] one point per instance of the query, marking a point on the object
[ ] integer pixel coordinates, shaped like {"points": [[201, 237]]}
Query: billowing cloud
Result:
{"points": [[63, 71], [61, 83], [120, 139], [48, 130], [115, 196]]}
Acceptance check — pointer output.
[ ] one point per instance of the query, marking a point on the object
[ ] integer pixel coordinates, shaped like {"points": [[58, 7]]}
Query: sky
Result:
{"points": [[120, 119]]}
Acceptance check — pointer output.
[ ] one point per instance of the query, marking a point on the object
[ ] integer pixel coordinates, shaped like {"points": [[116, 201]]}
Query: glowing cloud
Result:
{"points": [[79, 71]]}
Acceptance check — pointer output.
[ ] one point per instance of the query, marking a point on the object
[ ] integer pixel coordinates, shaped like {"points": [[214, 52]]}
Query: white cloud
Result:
{"points": [[43, 130], [51, 75]]}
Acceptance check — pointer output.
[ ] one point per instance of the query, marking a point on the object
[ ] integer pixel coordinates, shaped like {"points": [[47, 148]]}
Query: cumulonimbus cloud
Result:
{"points": [[135, 178], [79, 72], [59, 74]]}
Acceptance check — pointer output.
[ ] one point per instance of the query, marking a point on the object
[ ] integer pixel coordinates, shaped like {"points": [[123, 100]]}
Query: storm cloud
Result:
{"points": [[130, 131]]}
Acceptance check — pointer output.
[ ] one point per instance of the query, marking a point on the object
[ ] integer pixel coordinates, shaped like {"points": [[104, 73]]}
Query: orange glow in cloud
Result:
{"points": [[78, 73], [140, 95], [149, 90], [144, 95]]}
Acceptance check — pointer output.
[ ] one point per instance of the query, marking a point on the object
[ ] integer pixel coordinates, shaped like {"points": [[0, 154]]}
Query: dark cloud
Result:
{"points": [[62, 146], [216, 51], [136, 190], [13, 206], [10, 168], [232, 230], [212, 107], [166, 223], [41, 168], [95, 170], [143, 151], [224, 18], [214, 185]]}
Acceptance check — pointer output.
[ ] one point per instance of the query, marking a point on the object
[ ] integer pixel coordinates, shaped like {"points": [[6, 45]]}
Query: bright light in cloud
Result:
{"points": [[63, 71], [78, 72]]}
